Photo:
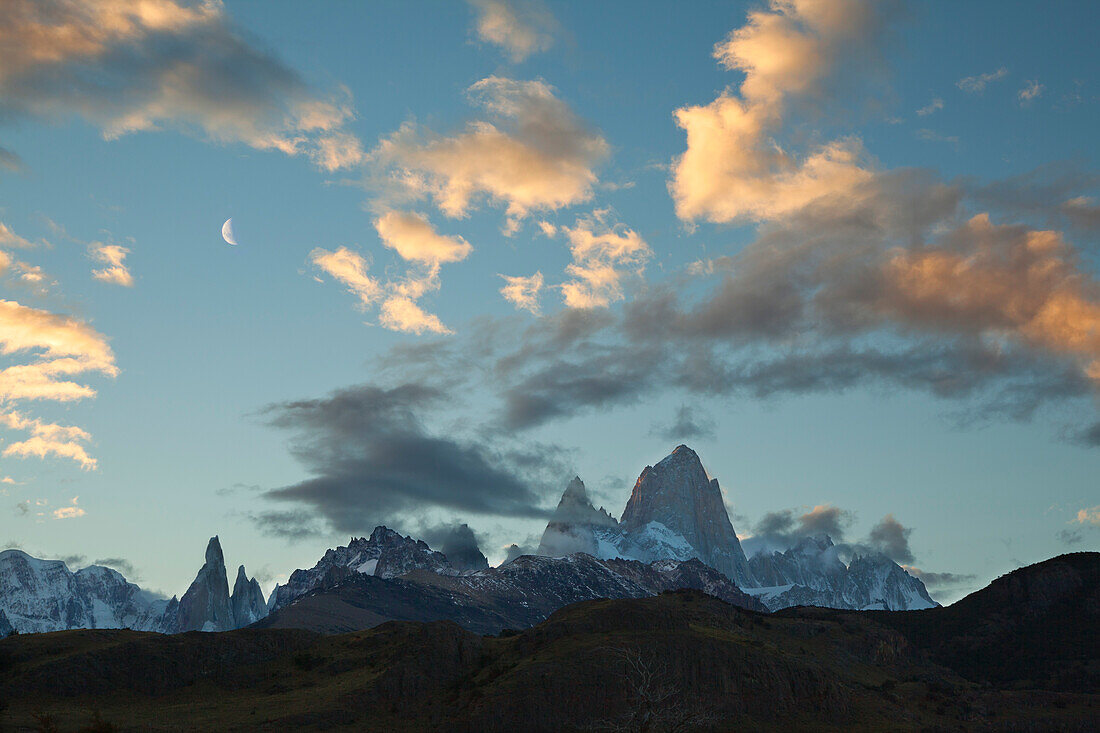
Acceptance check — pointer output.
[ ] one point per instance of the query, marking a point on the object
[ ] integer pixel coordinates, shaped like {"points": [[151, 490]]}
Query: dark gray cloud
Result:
{"points": [[374, 461], [121, 565], [458, 542], [293, 525], [891, 538], [787, 526], [185, 66], [74, 561], [940, 580], [1054, 193], [1070, 536], [688, 423]]}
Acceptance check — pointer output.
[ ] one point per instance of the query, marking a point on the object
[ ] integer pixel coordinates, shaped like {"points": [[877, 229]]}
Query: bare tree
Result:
{"points": [[658, 703]]}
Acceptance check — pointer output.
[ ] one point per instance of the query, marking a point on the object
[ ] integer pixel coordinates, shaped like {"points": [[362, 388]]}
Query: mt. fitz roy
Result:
{"points": [[676, 513]]}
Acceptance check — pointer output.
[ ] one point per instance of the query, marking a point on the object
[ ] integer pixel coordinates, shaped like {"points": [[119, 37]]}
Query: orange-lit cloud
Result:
{"points": [[412, 237], [1008, 280], [534, 155], [114, 269], [519, 27], [603, 256], [732, 167], [47, 439], [523, 291]]}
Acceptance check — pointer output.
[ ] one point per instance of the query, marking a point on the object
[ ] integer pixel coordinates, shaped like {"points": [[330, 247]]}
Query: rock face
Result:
{"points": [[674, 513], [44, 595], [677, 495], [812, 574], [385, 554], [247, 601], [5, 627], [205, 605], [575, 524]]}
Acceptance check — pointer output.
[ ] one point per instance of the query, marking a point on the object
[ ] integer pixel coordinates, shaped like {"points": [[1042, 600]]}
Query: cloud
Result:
{"points": [[69, 512], [1089, 515], [1069, 537], [603, 256], [976, 84], [733, 167], [458, 542], [48, 439], [519, 27], [785, 528], [1083, 211], [350, 268], [114, 270], [293, 525], [10, 161], [63, 346], [936, 137], [933, 106], [121, 565], [939, 580], [892, 539], [10, 239], [523, 291], [129, 67], [414, 239], [533, 154], [688, 423], [1031, 91], [372, 460]]}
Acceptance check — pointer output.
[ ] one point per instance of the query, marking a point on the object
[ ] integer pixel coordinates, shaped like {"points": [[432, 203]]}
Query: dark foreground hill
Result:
{"points": [[678, 661]]}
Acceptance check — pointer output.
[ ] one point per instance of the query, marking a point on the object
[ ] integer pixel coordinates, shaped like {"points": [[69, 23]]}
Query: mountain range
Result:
{"points": [[1021, 654], [673, 533]]}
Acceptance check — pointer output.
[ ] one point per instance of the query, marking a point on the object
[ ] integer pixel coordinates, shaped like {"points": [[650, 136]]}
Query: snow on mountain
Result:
{"points": [[386, 554], [676, 513], [812, 574], [576, 525], [677, 494], [44, 595]]}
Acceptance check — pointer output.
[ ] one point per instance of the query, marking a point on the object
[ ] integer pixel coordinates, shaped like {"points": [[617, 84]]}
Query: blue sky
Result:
{"points": [[731, 271]]}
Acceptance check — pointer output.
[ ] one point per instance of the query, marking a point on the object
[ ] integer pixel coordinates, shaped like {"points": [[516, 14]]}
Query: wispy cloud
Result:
{"points": [[977, 83], [523, 291], [1031, 91], [933, 106], [519, 27], [114, 269]]}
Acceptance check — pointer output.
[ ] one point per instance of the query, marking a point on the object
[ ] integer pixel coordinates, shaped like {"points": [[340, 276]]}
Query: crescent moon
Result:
{"points": [[227, 232]]}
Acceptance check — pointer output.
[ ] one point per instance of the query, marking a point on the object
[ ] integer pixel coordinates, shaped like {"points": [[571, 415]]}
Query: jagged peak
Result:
{"points": [[214, 554], [241, 574], [818, 542]]}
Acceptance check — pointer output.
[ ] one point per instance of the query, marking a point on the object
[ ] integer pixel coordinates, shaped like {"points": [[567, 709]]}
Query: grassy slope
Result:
{"points": [[731, 668]]}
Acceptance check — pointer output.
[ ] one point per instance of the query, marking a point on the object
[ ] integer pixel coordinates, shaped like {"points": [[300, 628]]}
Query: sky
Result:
{"points": [[847, 251]]}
